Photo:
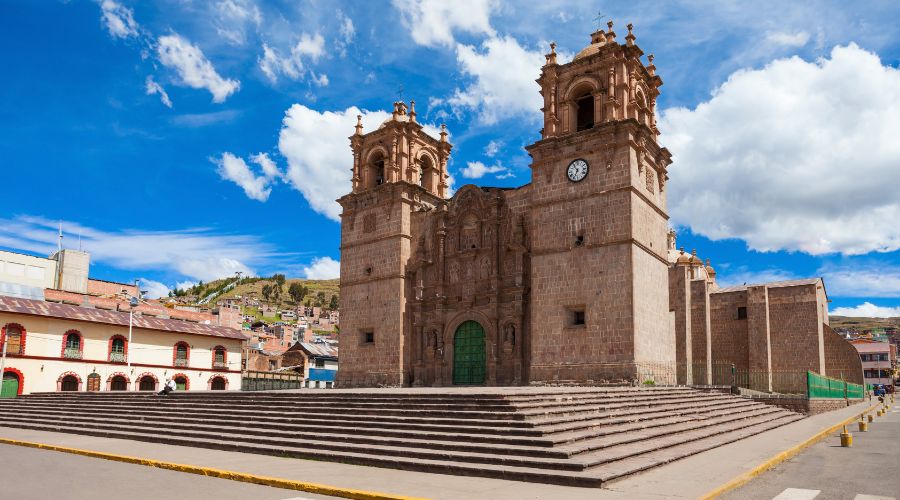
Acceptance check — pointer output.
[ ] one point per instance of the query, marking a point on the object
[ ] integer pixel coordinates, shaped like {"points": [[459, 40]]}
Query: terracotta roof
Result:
{"points": [[78, 313]]}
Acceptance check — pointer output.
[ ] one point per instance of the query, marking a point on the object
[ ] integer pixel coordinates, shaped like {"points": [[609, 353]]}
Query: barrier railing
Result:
{"points": [[819, 386], [270, 381]]}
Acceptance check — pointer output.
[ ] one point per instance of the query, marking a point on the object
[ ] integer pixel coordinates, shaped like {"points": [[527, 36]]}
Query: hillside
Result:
{"points": [[860, 324], [318, 292]]}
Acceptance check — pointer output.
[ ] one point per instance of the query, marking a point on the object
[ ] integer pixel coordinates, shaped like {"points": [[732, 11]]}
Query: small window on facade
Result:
{"points": [[576, 317], [13, 340], [73, 341], [742, 313], [368, 337], [320, 363], [379, 172]]}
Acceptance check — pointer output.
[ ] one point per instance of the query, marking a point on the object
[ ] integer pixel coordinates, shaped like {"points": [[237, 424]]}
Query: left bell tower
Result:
{"points": [[397, 169]]}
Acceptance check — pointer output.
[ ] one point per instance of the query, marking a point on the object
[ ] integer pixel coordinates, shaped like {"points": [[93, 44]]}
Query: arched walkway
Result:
{"points": [[117, 382], [218, 383], [68, 382], [469, 358], [146, 382]]}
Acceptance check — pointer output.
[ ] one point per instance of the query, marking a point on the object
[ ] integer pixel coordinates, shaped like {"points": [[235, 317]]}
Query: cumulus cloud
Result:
{"points": [[118, 19], [797, 156], [236, 170], [503, 86], [867, 310], [154, 88], [322, 268], [477, 170], [798, 39], [193, 68], [318, 154], [862, 280], [196, 254], [153, 289], [432, 22], [273, 64], [492, 149]]}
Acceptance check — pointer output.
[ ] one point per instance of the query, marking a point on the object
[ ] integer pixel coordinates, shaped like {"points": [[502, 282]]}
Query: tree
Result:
{"points": [[333, 304], [297, 292], [279, 279], [267, 291], [320, 299]]}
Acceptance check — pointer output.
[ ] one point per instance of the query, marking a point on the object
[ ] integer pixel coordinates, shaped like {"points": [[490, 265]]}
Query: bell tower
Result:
{"points": [[397, 169], [599, 219]]}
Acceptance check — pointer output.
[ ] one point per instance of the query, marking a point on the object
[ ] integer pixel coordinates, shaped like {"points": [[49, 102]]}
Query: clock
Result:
{"points": [[577, 170]]}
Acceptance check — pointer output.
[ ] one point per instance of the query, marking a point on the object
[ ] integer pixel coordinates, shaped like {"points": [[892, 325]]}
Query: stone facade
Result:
{"points": [[561, 277], [571, 278]]}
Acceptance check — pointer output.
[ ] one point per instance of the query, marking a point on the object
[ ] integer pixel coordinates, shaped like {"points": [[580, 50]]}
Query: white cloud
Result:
{"points": [[319, 159], [196, 254], [184, 285], [193, 67], [492, 149], [432, 22], [153, 289], [236, 170], [273, 64], [322, 268], [477, 170], [320, 80], [118, 19], [743, 276], [347, 32], [862, 280], [234, 17], [154, 88], [270, 170], [503, 86], [797, 156], [867, 310], [798, 39]]}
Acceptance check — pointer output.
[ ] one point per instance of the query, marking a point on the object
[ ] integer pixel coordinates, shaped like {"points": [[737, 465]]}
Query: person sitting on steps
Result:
{"points": [[168, 387]]}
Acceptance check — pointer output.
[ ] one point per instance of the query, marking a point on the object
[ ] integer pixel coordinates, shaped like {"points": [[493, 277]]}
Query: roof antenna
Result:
{"points": [[59, 242]]}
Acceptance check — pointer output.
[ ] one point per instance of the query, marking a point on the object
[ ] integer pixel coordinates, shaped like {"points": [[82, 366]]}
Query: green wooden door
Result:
{"points": [[468, 354], [180, 384], [10, 386]]}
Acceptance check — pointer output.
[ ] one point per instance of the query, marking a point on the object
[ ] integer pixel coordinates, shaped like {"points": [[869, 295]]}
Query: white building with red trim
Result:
{"points": [[63, 347]]}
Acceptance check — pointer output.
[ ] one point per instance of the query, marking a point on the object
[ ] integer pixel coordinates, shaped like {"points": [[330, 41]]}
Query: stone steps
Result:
{"points": [[580, 437]]}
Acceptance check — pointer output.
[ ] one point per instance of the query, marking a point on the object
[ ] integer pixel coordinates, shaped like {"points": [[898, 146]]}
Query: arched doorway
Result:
{"points": [[468, 354], [147, 383], [118, 383], [181, 382], [69, 383], [10, 386], [217, 384], [93, 382]]}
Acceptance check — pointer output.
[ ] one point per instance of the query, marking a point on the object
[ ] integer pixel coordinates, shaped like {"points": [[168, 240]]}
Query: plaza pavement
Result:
{"points": [[866, 471], [692, 477]]}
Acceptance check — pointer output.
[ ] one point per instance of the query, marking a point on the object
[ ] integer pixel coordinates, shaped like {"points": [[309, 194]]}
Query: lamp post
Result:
{"points": [[133, 302]]}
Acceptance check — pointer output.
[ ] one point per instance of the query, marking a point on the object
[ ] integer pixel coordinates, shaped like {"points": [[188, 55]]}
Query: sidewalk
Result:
{"points": [[689, 478]]}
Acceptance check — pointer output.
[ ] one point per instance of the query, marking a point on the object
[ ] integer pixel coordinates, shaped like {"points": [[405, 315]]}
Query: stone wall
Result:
{"points": [[802, 404], [841, 358]]}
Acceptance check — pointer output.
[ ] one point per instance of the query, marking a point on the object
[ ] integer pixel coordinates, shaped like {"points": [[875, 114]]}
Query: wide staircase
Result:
{"points": [[579, 437]]}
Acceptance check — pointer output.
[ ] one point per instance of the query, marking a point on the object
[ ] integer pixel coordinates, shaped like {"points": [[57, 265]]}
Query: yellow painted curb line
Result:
{"points": [[274, 482], [781, 457]]}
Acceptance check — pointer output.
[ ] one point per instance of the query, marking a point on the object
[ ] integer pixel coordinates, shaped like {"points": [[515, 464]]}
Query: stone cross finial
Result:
{"points": [[551, 57], [630, 37], [412, 110], [443, 132], [359, 125]]}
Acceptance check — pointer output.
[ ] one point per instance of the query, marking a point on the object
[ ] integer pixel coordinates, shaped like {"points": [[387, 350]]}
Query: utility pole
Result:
{"points": [[132, 303], [3, 360]]}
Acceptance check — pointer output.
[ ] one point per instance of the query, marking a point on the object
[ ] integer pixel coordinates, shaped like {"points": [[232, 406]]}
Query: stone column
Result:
{"points": [[759, 343]]}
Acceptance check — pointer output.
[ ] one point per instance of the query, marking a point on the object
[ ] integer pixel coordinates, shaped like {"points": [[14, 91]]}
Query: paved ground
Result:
{"points": [[32, 474], [869, 470], [691, 477]]}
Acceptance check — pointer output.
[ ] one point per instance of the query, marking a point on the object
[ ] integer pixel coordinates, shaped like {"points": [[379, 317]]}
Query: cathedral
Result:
{"points": [[571, 278]]}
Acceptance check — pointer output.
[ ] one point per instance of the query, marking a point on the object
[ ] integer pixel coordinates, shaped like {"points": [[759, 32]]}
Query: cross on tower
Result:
{"points": [[400, 93], [599, 19]]}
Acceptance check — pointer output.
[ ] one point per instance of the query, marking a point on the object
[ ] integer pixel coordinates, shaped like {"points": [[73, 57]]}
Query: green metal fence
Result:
{"points": [[270, 381], [819, 386]]}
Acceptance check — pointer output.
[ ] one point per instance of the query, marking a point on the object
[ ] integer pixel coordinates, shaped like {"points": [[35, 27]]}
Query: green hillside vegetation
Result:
{"points": [[275, 290]]}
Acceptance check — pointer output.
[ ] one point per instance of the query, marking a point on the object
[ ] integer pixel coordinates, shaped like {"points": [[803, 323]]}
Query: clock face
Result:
{"points": [[577, 170]]}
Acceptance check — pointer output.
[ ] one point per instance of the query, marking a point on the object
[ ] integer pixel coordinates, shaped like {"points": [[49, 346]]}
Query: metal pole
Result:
{"points": [[128, 348], [3, 359]]}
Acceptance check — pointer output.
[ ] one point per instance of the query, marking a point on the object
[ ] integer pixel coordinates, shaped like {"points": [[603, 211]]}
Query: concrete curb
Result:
{"points": [[274, 482], [781, 457]]}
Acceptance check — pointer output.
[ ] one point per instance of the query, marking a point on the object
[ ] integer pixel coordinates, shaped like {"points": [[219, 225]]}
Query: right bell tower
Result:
{"points": [[598, 220]]}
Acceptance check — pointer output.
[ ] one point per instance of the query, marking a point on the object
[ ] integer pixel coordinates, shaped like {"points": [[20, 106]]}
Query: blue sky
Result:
{"points": [[185, 140]]}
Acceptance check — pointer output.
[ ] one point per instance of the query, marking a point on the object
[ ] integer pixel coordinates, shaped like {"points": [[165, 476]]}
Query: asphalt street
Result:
{"points": [[33, 474], [866, 471]]}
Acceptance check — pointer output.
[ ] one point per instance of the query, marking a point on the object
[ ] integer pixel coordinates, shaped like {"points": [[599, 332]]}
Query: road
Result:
{"points": [[32, 474], [869, 470]]}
